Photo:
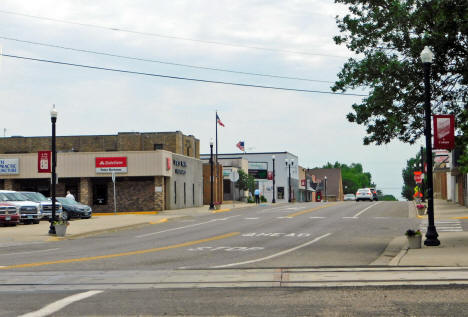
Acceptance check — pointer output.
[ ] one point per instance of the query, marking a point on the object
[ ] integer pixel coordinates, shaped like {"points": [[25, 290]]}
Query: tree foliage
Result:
{"points": [[388, 36], [353, 176], [246, 181]]}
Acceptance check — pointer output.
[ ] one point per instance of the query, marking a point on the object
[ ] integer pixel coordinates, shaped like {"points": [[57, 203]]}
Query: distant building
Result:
{"points": [[334, 183], [260, 166]]}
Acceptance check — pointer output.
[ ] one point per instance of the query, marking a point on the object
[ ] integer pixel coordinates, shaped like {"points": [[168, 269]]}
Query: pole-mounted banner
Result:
{"points": [[444, 132]]}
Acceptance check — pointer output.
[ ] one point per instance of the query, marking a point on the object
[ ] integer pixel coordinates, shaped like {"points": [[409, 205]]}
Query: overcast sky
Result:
{"points": [[297, 39]]}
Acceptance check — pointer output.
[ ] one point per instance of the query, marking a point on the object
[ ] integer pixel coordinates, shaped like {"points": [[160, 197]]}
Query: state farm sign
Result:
{"points": [[111, 164]]}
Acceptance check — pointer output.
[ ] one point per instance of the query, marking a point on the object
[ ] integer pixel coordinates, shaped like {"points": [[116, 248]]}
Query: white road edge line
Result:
{"points": [[362, 211], [274, 255], [58, 305], [29, 252], [184, 227]]}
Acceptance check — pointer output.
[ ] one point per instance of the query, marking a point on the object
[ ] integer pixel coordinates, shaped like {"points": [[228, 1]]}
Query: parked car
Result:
{"points": [[9, 214], [46, 204], [30, 212], [374, 194], [364, 194], [73, 209], [349, 197]]}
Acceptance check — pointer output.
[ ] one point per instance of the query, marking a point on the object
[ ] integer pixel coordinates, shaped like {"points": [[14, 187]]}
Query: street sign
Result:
{"points": [[234, 177], [418, 176]]}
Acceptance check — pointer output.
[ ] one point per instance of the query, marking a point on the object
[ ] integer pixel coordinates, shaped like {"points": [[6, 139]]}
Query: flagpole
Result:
{"points": [[216, 157]]}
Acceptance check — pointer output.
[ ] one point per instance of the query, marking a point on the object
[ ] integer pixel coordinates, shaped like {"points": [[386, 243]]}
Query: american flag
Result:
{"points": [[240, 145], [218, 120]]}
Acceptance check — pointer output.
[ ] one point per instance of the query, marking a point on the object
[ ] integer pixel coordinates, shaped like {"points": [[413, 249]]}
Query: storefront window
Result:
{"points": [[100, 194], [280, 192]]}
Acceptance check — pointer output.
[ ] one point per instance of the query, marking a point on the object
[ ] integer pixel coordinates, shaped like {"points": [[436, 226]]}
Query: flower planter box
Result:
{"points": [[60, 230], [421, 211], [414, 242], [217, 207]]}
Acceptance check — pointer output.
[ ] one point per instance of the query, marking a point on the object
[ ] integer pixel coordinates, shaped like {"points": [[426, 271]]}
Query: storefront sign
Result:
{"points": [[258, 170], [111, 164], [180, 164], [9, 166], [44, 161], [444, 132], [168, 163]]}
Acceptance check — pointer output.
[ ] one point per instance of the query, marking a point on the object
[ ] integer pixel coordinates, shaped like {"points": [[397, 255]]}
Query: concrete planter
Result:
{"points": [[414, 242], [421, 211], [217, 207], [60, 230]]}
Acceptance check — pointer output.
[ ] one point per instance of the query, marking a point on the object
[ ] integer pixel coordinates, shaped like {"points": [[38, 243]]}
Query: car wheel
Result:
{"points": [[65, 215], [35, 222]]}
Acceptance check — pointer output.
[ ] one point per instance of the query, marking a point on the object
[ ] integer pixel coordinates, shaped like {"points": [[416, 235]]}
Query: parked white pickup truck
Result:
{"points": [[30, 211]]}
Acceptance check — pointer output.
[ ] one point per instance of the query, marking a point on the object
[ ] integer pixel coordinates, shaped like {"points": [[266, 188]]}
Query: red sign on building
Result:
{"points": [[111, 164], [168, 163], [444, 132], [44, 161]]}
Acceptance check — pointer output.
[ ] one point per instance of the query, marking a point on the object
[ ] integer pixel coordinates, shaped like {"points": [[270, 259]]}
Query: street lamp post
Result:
{"points": [[289, 163], [273, 201], [431, 235], [211, 174], [53, 118], [326, 200]]}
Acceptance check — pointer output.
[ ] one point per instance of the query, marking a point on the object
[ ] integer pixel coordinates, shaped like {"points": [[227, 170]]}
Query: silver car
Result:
{"points": [[349, 197]]}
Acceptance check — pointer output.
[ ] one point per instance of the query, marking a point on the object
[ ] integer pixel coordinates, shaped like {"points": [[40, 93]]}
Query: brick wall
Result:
{"points": [[175, 142]]}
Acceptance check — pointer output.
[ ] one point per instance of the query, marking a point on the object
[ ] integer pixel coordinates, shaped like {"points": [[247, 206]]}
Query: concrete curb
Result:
{"points": [[114, 229], [392, 252]]}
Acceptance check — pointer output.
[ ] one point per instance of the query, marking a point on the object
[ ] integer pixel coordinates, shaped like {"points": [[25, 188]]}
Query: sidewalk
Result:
{"points": [[453, 248], [100, 223]]}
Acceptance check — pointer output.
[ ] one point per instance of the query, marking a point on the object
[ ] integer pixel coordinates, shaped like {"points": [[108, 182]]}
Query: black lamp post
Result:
{"points": [[273, 201], [326, 199], [431, 235], [53, 118], [288, 164], [211, 174]]}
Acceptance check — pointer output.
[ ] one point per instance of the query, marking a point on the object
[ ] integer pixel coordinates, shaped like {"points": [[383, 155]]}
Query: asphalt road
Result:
{"points": [[296, 235], [117, 267]]}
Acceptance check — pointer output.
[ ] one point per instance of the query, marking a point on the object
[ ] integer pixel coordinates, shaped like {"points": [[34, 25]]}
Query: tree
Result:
{"points": [[353, 176], [246, 181], [388, 36], [413, 164]]}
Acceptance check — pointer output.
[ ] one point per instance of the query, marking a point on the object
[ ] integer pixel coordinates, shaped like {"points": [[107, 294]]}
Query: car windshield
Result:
{"points": [[35, 196], [15, 197], [349, 195], [364, 191], [67, 201]]}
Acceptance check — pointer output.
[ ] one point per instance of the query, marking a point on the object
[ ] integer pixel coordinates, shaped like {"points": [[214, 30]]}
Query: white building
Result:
{"points": [[260, 166]]}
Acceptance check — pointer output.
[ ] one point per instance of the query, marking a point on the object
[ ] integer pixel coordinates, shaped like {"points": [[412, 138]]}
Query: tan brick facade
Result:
{"points": [[85, 191], [159, 196], [175, 142]]}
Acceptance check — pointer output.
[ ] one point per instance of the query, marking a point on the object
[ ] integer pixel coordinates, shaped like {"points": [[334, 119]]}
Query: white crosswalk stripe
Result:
{"points": [[444, 225]]}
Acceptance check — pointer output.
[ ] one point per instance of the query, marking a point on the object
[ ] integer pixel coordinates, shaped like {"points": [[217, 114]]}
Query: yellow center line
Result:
{"points": [[115, 255], [310, 210]]}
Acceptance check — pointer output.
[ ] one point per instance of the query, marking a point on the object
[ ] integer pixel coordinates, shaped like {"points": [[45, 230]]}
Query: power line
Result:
{"points": [[160, 62], [179, 78], [169, 36]]}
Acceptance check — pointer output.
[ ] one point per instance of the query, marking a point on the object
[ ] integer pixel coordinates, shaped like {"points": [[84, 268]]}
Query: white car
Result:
{"points": [[30, 211], [349, 197], [364, 194]]}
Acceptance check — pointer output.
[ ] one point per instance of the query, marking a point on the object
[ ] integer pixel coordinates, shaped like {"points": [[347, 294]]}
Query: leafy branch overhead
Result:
{"points": [[388, 37]]}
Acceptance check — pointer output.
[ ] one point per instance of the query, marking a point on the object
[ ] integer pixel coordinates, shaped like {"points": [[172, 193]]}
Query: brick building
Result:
{"points": [[162, 169]]}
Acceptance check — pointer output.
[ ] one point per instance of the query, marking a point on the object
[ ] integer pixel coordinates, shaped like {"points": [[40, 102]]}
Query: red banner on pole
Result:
{"points": [[43, 161], [444, 132]]}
